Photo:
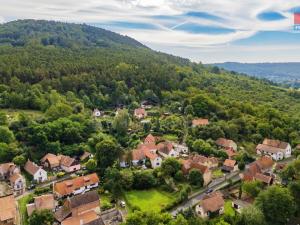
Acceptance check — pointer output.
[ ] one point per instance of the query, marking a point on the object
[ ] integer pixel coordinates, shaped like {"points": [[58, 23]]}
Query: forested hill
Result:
{"points": [[24, 32], [277, 72], [61, 80]]}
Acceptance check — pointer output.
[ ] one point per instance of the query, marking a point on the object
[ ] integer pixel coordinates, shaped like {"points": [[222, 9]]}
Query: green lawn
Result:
{"points": [[22, 208], [170, 137], [217, 173], [149, 200]]}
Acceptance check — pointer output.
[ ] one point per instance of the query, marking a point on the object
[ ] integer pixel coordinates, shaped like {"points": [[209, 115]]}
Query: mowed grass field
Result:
{"points": [[149, 200]]}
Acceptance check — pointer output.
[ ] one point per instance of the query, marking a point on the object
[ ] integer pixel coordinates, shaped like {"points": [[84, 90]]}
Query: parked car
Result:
{"points": [[210, 190], [122, 204]]}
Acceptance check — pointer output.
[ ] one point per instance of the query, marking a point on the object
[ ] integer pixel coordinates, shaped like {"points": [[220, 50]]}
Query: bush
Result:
{"points": [[41, 190], [60, 174]]}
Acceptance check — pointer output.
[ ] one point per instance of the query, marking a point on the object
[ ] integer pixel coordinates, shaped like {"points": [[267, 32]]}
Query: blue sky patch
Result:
{"points": [[200, 29], [270, 16], [203, 15]]}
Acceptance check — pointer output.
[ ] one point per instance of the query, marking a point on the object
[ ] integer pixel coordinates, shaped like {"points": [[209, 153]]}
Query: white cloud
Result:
{"points": [[240, 15]]}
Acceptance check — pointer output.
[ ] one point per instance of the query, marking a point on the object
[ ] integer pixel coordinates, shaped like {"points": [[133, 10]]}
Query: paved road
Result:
{"points": [[195, 198]]}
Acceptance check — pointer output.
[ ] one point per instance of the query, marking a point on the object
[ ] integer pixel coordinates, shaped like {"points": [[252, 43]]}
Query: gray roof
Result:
{"points": [[84, 199]]}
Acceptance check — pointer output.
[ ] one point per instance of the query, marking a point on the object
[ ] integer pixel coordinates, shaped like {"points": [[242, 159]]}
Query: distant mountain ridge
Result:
{"points": [[278, 72]]}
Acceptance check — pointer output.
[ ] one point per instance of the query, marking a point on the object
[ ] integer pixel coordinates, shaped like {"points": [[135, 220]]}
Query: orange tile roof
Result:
{"points": [[150, 139], [229, 163], [140, 111], [213, 202], [81, 219], [200, 122], [224, 142], [31, 167], [8, 208], [15, 177], [68, 186]]}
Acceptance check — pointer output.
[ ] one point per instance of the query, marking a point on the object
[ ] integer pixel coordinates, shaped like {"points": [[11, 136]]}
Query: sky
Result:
{"points": [[201, 30]]}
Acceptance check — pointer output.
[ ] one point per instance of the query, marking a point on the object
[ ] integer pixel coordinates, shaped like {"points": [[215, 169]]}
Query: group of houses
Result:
{"points": [[154, 151], [261, 170]]}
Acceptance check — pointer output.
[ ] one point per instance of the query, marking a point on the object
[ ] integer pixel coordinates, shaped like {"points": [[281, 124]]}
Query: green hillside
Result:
{"points": [[69, 80]]}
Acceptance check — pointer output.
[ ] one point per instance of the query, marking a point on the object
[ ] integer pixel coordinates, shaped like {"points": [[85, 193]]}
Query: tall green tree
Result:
{"points": [[277, 204]]}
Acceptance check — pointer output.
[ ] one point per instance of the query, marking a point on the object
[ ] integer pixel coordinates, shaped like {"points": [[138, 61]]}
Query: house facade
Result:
{"points": [[278, 150], [18, 183], [38, 174], [181, 148], [7, 170], [211, 205]]}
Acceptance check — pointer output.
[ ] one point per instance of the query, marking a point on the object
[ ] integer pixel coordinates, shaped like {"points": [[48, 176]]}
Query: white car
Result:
{"points": [[122, 204]]}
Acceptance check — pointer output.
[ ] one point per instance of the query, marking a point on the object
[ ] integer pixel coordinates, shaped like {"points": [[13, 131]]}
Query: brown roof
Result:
{"points": [[67, 161], [52, 159], [264, 178], [200, 122], [41, 202], [203, 159], [68, 186], [212, 202], [84, 199], [140, 111], [229, 163], [150, 139], [275, 143], [165, 147], [188, 165], [137, 154], [265, 162], [31, 167], [224, 142], [7, 167], [83, 219], [8, 208]]}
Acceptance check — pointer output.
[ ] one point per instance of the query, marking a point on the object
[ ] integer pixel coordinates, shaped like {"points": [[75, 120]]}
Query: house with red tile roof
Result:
{"points": [[8, 210], [230, 165], [146, 151], [260, 170], [7, 170], [66, 163], [200, 122], [76, 185], [166, 150], [278, 150], [211, 204], [150, 139], [41, 202], [38, 174], [77, 206], [226, 144], [140, 113], [188, 165]]}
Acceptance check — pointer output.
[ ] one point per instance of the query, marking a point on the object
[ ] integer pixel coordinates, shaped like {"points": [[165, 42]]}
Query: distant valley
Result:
{"points": [[285, 73]]}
